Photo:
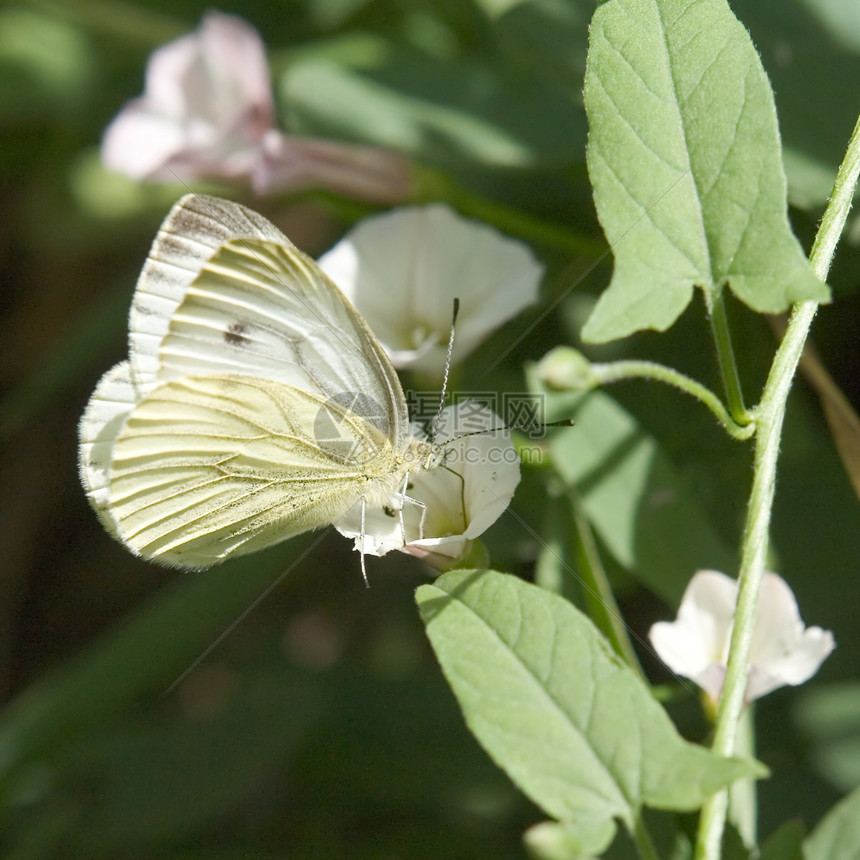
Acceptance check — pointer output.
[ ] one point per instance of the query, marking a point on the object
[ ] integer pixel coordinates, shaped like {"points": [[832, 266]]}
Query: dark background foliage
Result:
{"points": [[318, 724]]}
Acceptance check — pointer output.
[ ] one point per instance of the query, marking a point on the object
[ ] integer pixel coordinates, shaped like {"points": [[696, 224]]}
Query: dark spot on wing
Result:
{"points": [[236, 334]]}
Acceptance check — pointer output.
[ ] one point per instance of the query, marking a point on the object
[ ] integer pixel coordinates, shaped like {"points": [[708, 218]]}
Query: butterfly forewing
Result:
{"points": [[267, 310], [197, 226], [208, 466]]}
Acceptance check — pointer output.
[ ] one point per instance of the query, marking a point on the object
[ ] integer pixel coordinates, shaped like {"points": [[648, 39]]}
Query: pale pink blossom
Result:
{"points": [[292, 164], [206, 107], [696, 644], [207, 113]]}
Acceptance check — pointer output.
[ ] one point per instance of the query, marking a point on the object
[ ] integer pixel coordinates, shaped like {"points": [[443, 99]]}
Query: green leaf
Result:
{"points": [[801, 44], [785, 843], [443, 113], [638, 505], [829, 717], [838, 834], [684, 156], [554, 840], [550, 702]]}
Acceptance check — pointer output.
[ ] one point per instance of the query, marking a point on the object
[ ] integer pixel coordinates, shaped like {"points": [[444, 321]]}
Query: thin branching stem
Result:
{"points": [[769, 420]]}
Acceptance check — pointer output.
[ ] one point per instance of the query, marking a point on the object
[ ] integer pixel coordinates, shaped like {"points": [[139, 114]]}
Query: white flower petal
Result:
{"points": [[450, 504], [403, 269], [698, 639], [782, 650]]}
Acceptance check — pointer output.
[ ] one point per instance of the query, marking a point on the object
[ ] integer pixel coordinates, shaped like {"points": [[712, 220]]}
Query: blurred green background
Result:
{"points": [[318, 724]]}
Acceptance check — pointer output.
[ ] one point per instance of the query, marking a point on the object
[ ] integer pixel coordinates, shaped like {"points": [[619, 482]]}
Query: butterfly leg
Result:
{"points": [[403, 500], [363, 532]]}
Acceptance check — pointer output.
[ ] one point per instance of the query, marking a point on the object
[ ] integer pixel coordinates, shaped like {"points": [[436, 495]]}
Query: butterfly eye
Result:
{"points": [[389, 512], [236, 334]]}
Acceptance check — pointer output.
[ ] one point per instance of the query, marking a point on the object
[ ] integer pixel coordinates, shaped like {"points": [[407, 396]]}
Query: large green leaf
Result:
{"points": [[553, 705], [685, 159], [838, 834]]}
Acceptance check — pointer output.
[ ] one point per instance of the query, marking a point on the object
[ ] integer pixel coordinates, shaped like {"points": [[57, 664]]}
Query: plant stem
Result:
{"points": [[769, 418], [602, 608], [726, 357], [618, 370], [642, 838]]}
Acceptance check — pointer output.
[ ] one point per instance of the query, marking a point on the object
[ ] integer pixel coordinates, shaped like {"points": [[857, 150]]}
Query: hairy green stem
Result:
{"points": [[769, 419], [618, 370]]}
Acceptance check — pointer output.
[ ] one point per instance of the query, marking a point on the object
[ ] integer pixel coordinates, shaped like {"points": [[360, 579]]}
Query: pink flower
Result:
{"points": [[207, 113], [696, 645], [289, 163], [206, 107]]}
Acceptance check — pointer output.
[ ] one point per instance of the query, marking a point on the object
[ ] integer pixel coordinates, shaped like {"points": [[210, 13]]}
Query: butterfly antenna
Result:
{"points": [[435, 425]]}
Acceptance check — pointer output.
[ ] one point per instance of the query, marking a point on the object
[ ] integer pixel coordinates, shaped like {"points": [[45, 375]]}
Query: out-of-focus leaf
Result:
{"points": [[165, 781], [784, 844], [555, 840], [841, 417], [830, 717], [441, 112], [553, 705], [837, 835], [70, 358], [45, 63], [642, 511], [685, 160], [548, 36]]}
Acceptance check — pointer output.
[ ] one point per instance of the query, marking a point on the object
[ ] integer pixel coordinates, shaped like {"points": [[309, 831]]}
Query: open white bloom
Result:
{"points": [[448, 506], [207, 113], [402, 270], [696, 645], [206, 107]]}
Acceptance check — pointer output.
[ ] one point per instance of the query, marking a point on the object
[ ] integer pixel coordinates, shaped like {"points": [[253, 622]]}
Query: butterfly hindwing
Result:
{"points": [[208, 466]]}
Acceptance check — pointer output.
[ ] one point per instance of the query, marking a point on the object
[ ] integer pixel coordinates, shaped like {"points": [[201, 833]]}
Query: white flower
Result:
{"points": [[450, 504], [206, 107], [403, 269], [207, 113], [696, 645]]}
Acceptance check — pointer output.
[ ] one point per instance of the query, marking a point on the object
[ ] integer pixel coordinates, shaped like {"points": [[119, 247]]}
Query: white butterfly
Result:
{"points": [[255, 404]]}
